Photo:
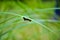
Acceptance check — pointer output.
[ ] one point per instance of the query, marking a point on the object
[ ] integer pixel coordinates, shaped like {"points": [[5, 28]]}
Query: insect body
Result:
{"points": [[26, 19]]}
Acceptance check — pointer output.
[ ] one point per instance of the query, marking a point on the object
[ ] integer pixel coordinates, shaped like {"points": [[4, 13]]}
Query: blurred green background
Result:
{"points": [[42, 26]]}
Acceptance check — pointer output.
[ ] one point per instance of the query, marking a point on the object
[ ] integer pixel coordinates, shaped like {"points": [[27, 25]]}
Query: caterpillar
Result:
{"points": [[26, 19]]}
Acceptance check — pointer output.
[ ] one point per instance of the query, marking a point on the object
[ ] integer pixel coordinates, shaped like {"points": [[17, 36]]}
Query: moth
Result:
{"points": [[26, 19]]}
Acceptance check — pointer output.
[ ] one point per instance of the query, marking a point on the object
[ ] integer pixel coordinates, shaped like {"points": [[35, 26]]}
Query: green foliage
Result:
{"points": [[13, 27]]}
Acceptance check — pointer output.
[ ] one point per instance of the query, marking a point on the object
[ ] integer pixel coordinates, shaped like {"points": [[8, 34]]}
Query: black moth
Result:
{"points": [[26, 19]]}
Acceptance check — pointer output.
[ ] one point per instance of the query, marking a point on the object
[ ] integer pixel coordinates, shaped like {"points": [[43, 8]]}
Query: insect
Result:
{"points": [[26, 19]]}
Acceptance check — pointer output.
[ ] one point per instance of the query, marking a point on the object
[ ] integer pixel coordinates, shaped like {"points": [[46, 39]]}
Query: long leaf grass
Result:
{"points": [[42, 27]]}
